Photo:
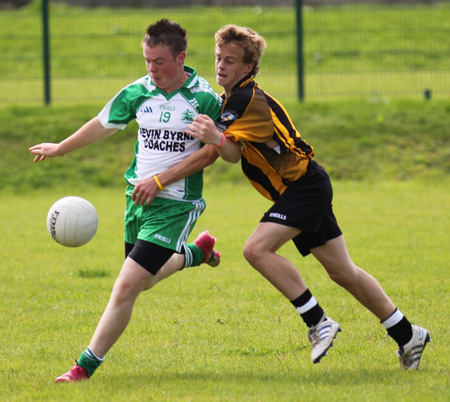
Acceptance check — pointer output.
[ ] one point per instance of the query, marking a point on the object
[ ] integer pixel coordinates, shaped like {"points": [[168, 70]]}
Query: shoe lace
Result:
{"points": [[407, 358], [316, 334]]}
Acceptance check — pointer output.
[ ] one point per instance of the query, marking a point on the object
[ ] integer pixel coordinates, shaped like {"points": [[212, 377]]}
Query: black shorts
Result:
{"points": [[149, 256], [307, 205]]}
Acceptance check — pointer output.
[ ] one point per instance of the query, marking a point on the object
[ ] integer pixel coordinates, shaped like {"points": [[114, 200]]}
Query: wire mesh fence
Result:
{"points": [[378, 50], [348, 50]]}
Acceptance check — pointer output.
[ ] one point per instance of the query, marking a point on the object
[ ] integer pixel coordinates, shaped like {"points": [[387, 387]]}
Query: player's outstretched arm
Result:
{"points": [[146, 189], [89, 133], [204, 128]]}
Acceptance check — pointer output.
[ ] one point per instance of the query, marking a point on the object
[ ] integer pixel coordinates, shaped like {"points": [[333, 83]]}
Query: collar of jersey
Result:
{"points": [[244, 82], [191, 82], [247, 80]]}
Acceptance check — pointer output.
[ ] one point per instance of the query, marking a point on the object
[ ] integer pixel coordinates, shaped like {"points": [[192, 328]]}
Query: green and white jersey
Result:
{"points": [[162, 119]]}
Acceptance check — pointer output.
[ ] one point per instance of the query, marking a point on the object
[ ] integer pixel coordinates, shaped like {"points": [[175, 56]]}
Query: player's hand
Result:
{"points": [[45, 150], [204, 129], [145, 191]]}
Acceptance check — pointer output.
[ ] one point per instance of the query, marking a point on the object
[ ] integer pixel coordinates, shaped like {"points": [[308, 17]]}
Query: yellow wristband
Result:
{"points": [[158, 182]]}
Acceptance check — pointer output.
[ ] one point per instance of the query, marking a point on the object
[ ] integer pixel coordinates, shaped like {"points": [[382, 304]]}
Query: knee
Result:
{"points": [[337, 277], [124, 290], [151, 283], [252, 253], [344, 275]]}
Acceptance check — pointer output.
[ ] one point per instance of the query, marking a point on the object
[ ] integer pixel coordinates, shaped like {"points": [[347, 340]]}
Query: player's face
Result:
{"points": [[166, 72], [230, 66]]}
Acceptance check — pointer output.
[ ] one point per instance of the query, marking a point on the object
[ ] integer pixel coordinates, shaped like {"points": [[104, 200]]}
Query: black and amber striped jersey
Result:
{"points": [[273, 152]]}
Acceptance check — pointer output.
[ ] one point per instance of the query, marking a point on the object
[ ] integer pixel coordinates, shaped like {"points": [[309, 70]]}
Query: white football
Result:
{"points": [[72, 221]]}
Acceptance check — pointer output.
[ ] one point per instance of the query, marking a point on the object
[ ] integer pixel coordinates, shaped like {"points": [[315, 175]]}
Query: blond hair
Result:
{"points": [[246, 38]]}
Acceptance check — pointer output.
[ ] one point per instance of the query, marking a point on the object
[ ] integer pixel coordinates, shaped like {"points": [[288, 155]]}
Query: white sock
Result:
{"points": [[307, 306], [91, 354], [393, 319]]}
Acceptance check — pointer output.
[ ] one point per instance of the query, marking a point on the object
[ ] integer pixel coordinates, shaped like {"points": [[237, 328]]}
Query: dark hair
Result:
{"points": [[167, 33]]}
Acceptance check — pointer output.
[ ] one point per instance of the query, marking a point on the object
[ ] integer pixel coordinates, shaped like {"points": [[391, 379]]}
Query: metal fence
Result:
{"points": [[348, 50]]}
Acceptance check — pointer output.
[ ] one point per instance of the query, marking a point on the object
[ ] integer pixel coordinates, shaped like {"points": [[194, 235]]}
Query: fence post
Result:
{"points": [[46, 51], [300, 71]]}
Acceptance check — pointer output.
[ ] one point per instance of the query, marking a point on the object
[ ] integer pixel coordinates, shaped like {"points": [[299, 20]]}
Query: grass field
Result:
{"points": [[369, 50], [225, 334], [221, 334]]}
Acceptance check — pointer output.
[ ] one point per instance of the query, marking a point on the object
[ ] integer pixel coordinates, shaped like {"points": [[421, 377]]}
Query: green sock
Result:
{"points": [[194, 256], [89, 361]]}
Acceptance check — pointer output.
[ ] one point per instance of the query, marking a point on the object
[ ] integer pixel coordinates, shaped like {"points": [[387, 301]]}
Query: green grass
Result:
{"points": [[353, 139], [358, 49], [225, 334]]}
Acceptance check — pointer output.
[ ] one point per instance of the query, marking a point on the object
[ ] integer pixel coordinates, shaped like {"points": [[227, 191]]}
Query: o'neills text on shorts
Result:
{"points": [[163, 238], [277, 215]]}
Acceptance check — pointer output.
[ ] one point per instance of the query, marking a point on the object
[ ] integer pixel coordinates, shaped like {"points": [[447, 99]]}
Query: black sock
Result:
{"points": [[401, 332], [398, 327], [308, 308]]}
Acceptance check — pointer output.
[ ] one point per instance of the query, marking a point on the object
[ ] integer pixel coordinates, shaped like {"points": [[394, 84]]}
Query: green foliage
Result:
{"points": [[225, 334]]}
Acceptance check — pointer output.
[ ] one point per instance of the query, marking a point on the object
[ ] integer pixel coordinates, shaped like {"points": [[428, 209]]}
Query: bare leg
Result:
{"points": [[175, 263], [260, 251], [132, 280], [341, 269], [128, 285]]}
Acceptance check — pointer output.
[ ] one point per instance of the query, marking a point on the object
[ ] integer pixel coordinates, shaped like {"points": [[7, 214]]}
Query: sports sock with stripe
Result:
{"points": [[89, 361], [398, 327], [308, 308], [193, 255]]}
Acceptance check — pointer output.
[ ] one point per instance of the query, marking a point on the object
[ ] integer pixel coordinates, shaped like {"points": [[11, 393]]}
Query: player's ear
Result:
{"points": [[249, 67], [181, 57]]}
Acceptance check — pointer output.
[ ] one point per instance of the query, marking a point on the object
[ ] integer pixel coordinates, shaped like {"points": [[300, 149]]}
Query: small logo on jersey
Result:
{"points": [[277, 215], [167, 107], [221, 127], [187, 117], [163, 238], [228, 116], [146, 109], [194, 103]]}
